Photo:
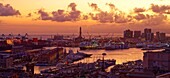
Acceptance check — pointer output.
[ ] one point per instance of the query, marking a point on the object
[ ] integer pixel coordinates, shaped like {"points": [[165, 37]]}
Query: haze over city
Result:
{"points": [[84, 39], [99, 16]]}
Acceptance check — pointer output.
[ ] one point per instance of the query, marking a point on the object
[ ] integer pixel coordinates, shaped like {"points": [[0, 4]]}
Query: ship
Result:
{"points": [[107, 63], [115, 46], [89, 45], [140, 45], [72, 57], [84, 54], [155, 46]]}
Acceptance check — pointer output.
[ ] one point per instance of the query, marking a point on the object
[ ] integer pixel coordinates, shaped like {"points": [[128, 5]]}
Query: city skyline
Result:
{"points": [[107, 16]]}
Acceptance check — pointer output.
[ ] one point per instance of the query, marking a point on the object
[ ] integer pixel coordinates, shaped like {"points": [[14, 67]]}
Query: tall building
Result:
{"points": [[137, 34], [149, 36], [128, 34], [160, 60], [157, 36], [147, 30], [160, 36]]}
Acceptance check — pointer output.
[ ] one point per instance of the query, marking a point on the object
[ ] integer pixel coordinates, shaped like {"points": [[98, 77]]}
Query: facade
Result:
{"points": [[147, 30], [6, 61], [58, 37], [128, 34], [160, 36], [148, 35], [137, 34], [157, 36], [50, 56], [18, 49], [160, 60]]}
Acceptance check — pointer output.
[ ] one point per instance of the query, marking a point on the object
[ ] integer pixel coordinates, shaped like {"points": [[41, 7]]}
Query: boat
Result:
{"points": [[89, 45], [72, 57], [84, 54], [140, 45], [155, 46], [115, 46], [107, 63]]}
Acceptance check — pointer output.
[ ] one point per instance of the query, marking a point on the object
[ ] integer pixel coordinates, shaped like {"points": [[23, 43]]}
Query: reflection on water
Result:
{"points": [[8, 51], [37, 69], [119, 55]]}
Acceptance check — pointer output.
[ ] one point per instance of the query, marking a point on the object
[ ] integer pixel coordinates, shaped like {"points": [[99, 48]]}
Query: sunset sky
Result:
{"points": [[101, 16]]}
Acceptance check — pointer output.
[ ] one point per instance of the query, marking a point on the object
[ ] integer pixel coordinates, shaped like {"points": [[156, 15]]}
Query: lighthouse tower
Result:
{"points": [[79, 38], [80, 33]]}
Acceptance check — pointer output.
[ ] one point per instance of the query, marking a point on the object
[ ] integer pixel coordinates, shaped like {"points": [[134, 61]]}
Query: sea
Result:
{"points": [[120, 56]]}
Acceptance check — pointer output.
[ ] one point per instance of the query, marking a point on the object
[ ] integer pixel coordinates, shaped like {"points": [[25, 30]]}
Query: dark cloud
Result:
{"points": [[72, 6], [93, 16], [155, 20], [29, 15], [140, 16], [121, 18], [112, 6], [8, 10], [44, 15], [85, 17], [160, 8], [94, 6], [110, 17], [74, 14], [113, 16], [61, 15], [105, 17], [137, 10]]}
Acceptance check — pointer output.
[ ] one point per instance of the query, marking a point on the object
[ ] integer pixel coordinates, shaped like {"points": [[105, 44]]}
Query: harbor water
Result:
{"points": [[119, 55]]}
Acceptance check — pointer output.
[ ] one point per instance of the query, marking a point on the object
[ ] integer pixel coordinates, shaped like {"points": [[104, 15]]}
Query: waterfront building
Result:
{"points": [[6, 61], [128, 34], [137, 34], [157, 60], [18, 49], [13, 73], [50, 56]]}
